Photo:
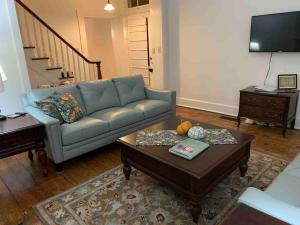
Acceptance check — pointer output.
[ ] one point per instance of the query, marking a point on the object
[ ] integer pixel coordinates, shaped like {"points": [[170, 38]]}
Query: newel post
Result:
{"points": [[98, 64]]}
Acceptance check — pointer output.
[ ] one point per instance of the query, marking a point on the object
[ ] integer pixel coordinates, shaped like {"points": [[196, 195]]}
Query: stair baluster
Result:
{"points": [[42, 40], [51, 64]]}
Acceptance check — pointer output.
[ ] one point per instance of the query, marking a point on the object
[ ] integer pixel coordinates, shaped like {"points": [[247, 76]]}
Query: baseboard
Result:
{"points": [[215, 107], [208, 106]]}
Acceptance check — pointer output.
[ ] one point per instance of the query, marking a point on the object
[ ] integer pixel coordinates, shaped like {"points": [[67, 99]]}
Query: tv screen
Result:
{"points": [[275, 33]]}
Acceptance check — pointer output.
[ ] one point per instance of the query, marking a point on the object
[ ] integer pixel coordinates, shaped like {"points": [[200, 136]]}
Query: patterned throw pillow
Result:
{"points": [[49, 108], [68, 107]]}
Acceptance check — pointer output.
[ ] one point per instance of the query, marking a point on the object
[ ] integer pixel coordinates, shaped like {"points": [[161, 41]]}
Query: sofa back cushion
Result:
{"points": [[98, 95], [130, 88], [39, 94]]}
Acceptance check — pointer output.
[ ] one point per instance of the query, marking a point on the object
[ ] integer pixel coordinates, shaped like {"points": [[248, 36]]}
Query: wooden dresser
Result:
{"points": [[270, 107]]}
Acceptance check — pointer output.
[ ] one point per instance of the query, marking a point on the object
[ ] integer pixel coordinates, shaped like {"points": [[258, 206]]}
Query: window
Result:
{"points": [[135, 3]]}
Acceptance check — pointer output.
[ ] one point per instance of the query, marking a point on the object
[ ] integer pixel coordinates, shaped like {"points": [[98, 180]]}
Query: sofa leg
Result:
{"points": [[59, 167]]}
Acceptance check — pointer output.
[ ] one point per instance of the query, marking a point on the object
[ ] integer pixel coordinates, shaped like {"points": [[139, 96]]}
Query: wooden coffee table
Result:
{"points": [[191, 178]]}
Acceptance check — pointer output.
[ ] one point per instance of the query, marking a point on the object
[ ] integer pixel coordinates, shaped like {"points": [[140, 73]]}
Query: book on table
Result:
{"points": [[189, 148]]}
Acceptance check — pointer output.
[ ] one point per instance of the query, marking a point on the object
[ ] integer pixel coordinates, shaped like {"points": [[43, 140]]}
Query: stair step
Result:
{"points": [[40, 58], [28, 47], [66, 78], [54, 68]]}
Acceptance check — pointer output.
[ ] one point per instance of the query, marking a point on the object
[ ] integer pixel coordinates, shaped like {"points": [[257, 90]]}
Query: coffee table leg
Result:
{"points": [[243, 169], [196, 210], [127, 171]]}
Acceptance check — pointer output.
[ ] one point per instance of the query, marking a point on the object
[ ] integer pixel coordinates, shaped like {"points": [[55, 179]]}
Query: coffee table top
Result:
{"points": [[208, 159]]}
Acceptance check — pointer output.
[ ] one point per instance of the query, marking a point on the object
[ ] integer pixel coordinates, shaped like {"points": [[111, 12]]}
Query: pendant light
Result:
{"points": [[109, 6]]}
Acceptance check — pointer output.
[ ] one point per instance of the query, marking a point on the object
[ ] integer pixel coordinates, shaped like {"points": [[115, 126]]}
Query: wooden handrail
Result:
{"points": [[98, 63]]}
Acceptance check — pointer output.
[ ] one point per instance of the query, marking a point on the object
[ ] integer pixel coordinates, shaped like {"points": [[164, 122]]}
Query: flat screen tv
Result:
{"points": [[275, 33]]}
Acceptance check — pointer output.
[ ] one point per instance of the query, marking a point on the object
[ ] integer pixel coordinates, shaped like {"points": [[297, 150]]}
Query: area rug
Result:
{"points": [[111, 200]]}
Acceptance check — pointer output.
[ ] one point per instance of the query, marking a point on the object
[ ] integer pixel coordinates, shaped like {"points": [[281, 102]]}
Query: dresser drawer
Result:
{"points": [[263, 114], [267, 102]]}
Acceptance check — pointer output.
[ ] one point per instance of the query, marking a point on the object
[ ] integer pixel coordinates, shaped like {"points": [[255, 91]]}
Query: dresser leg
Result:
{"points": [[42, 155], [239, 121], [30, 155], [59, 167], [293, 124]]}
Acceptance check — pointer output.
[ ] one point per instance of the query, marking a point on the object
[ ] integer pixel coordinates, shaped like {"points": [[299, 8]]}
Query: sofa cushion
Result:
{"points": [[118, 117], [98, 95], [40, 94], [83, 129], [67, 105], [150, 108], [130, 89], [286, 188], [49, 108]]}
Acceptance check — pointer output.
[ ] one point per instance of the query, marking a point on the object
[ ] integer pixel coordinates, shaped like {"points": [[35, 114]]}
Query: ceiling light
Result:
{"points": [[109, 6]]}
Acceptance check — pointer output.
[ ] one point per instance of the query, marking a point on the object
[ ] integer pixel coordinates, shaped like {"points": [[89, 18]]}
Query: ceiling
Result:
{"points": [[87, 8], [94, 8]]}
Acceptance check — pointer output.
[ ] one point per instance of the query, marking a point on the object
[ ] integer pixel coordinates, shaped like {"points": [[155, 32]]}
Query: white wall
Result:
{"points": [[208, 60], [99, 41], [120, 45], [12, 59]]}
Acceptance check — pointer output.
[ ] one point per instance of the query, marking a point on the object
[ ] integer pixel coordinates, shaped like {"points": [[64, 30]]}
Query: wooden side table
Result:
{"points": [[244, 215], [23, 134], [270, 107]]}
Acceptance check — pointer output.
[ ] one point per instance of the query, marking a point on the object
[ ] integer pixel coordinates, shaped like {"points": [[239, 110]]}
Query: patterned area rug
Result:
{"points": [[111, 200]]}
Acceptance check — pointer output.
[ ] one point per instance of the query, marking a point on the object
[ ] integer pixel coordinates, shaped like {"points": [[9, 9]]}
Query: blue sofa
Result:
{"points": [[112, 109]]}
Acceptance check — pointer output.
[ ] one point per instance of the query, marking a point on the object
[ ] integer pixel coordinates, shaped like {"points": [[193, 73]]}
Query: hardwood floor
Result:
{"points": [[22, 184]]}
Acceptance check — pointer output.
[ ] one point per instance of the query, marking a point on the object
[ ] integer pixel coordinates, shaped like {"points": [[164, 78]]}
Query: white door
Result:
{"points": [[138, 45]]}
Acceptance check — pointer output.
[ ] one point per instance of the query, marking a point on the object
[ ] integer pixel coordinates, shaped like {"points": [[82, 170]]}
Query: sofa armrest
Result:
{"points": [[165, 95], [269, 205], [53, 133]]}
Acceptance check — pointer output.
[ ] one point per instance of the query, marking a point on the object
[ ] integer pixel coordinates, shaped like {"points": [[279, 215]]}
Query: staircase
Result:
{"points": [[51, 60]]}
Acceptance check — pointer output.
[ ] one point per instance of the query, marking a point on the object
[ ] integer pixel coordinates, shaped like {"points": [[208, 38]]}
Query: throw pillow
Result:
{"points": [[49, 108], [68, 107]]}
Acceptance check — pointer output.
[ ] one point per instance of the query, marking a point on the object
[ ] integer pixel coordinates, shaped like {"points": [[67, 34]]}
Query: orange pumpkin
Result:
{"points": [[184, 127]]}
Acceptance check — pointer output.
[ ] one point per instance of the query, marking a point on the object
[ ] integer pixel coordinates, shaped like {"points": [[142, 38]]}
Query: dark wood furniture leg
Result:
{"points": [[239, 121], [196, 210], [243, 169], [127, 170], [30, 155], [293, 124], [59, 167]]}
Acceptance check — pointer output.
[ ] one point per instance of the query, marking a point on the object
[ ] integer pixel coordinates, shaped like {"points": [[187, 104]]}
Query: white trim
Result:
{"points": [[208, 106]]}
